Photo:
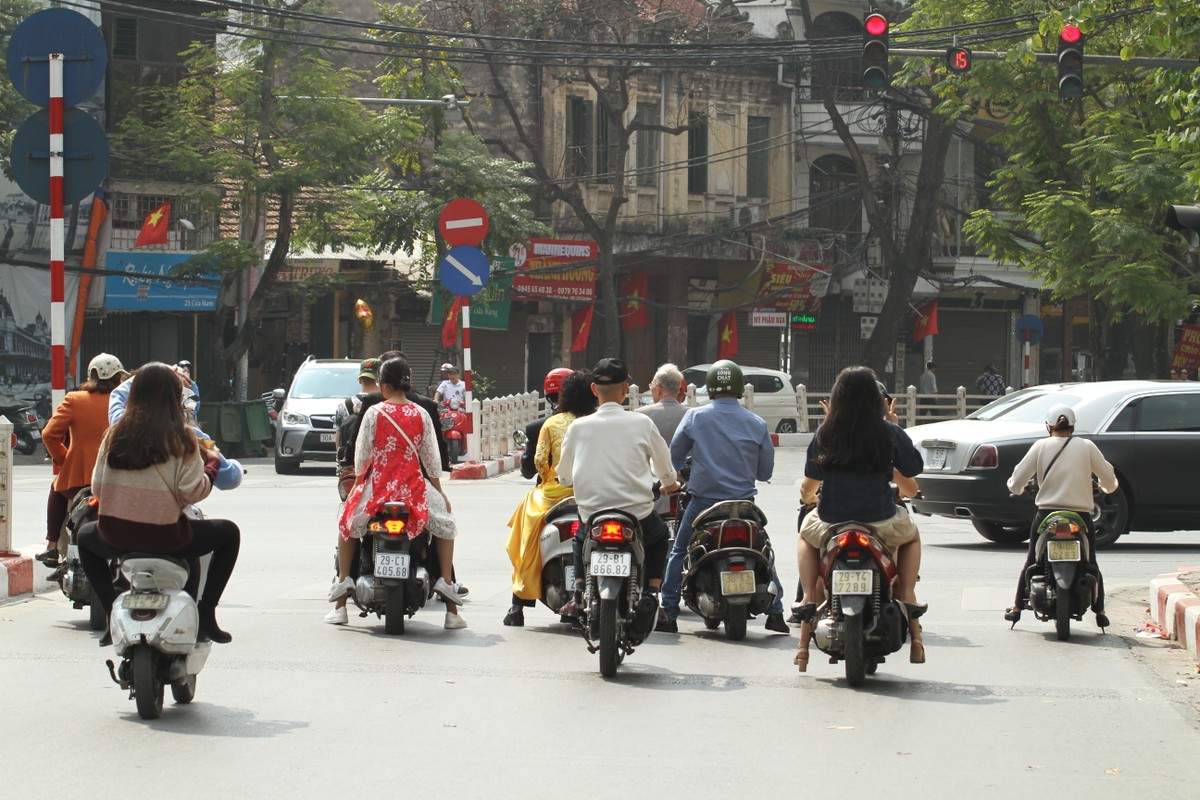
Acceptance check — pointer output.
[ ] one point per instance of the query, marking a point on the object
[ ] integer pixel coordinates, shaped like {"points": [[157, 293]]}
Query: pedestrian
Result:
{"points": [[991, 382], [666, 411], [927, 385]]}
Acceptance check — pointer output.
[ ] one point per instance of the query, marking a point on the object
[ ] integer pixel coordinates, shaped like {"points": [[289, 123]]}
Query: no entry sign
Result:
{"points": [[463, 221]]}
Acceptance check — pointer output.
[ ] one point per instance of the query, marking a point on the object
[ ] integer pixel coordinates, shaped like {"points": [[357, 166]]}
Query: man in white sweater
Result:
{"points": [[1064, 467]]}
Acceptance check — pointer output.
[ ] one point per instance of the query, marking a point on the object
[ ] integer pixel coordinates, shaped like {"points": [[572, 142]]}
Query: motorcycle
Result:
{"points": [[1061, 583], [455, 424], [613, 556], [394, 579], [555, 542], [70, 576], [155, 627], [27, 427], [727, 566], [860, 622]]}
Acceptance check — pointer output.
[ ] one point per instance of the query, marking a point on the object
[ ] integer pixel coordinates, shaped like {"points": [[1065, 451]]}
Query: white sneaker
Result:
{"points": [[463, 591], [447, 592], [454, 622], [340, 590], [337, 617]]}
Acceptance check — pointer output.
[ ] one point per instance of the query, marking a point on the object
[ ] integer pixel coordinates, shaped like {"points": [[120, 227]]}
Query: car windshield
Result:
{"points": [[324, 382], [1028, 405]]}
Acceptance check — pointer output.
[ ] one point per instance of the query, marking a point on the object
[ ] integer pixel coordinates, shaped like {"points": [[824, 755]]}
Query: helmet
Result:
{"points": [[554, 380], [449, 368], [105, 366], [1058, 411], [724, 377]]}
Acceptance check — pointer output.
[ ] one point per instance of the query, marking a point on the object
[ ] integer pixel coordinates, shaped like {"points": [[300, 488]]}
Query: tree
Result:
{"points": [[594, 43]]}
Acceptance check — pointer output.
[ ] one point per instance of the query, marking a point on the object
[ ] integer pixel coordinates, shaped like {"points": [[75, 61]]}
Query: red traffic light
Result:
{"points": [[1070, 34], [876, 24], [958, 59]]}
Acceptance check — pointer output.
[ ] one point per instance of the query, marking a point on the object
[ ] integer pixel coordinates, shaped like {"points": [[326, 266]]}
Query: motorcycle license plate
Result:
{"points": [[737, 582], [391, 565], [569, 576], [612, 565], [150, 602], [1062, 550], [327, 437], [852, 581]]}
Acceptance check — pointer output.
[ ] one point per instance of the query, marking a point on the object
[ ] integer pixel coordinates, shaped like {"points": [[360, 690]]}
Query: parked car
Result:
{"points": [[1148, 430], [304, 429], [774, 395]]}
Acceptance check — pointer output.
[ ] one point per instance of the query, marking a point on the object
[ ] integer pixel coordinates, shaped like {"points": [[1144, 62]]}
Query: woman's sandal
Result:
{"points": [[805, 612], [801, 657], [916, 646], [915, 610], [1013, 615]]}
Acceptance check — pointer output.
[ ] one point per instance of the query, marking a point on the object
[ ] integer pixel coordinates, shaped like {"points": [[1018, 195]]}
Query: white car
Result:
{"points": [[774, 395]]}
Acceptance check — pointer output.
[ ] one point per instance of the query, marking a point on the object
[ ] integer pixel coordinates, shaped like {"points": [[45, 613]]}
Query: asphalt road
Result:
{"points": [[297, 708]]}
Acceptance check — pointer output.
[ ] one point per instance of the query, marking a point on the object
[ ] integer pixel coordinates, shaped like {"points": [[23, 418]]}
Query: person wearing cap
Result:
{"points": [[368, 382], [72, 438], [612, 459], [451, 388]]}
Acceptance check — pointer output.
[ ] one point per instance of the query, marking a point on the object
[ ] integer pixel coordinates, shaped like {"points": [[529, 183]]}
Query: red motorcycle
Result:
{"points": [[456, 424]]}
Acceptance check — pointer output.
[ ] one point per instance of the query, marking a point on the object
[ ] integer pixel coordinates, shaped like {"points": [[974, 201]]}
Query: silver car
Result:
{"points": [[305, 430]]}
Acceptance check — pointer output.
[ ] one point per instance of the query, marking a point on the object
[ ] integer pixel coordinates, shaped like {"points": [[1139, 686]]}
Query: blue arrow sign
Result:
{"points": [[464, 270]]}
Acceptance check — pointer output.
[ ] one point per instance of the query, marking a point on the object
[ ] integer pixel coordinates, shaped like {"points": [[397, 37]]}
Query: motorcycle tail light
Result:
{"points": [[376, 527], [31, 417], [609, 531], [737, 567], [986, 456], [395, 525], [1065, 530], [567, 530], [737, 533], [93, 501], [853, 539]]}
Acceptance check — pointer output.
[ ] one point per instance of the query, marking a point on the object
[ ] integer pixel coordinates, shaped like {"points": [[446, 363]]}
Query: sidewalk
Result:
{"points": [[1175, 605]]}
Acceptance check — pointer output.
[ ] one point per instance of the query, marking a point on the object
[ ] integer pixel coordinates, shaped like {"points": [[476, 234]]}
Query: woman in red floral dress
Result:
{"points": [[395, 439]]}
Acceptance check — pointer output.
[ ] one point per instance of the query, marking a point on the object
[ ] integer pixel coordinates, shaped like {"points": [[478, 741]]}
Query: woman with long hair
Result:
{"points": [[395, 439], [150, 467], [575, 400], [72, 439], [852, 459]]}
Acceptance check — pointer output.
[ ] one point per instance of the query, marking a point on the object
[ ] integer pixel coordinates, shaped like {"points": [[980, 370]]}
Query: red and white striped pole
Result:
{"points": [[1025, 372], [472, 432], [58, 338]]}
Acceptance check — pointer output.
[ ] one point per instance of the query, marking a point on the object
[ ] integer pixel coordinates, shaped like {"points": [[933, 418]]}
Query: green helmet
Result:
{"points": [[724, 377]]}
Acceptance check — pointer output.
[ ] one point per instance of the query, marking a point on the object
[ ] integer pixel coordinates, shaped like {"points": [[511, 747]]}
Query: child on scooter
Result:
{"points": [[1064, 467]]}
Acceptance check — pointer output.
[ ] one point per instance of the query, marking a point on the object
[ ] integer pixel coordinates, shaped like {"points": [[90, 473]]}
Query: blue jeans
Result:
{"points": [[673, 582]]}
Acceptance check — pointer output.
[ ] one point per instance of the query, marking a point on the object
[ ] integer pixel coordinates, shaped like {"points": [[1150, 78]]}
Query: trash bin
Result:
{"points": [[230, 438], [207, 418], [258, 424]]}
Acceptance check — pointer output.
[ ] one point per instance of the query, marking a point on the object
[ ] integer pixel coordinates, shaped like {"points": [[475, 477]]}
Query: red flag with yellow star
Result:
{"points": [[634, 290], [155, 227], [581, 326], [727, 335], [927, 322], [450, 325]]}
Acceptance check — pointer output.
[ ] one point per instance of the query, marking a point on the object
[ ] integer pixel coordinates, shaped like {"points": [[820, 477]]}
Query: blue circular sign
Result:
{"points": [[85, 156], [464, 270], [57, 30], [1029, 327]]}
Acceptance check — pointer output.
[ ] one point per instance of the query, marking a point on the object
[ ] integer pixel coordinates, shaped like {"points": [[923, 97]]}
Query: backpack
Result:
{"points": [[348, 431]]}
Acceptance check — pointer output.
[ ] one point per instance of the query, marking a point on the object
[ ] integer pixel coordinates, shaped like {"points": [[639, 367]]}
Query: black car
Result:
{"points": [[1148, 430]]}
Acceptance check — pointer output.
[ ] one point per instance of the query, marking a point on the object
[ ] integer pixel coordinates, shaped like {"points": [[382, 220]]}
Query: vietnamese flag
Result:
{"points": [[727, 333], [927, 322], [581, 326], [155, 227], [634, 289], [450, 326]]}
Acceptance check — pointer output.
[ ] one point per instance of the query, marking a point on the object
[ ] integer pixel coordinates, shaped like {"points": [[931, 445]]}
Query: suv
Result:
{"points": [[774, 396], [305, 428]]}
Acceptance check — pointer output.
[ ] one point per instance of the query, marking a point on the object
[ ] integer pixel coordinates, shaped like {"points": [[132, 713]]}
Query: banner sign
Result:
{"points": [[768, 319], [490, 306], [791, 287], [1187, 352], [147, 284], [536, 274]]}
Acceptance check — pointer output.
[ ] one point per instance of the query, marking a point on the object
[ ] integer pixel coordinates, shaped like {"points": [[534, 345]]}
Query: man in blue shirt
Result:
{"points": [[731, 448]]}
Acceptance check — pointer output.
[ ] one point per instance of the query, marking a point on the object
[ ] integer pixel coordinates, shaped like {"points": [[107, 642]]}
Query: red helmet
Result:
{"points": [[555, 378]]}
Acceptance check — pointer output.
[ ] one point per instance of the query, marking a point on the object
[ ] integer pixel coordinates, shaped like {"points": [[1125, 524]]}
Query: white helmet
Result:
{"points": [[1059, 411]]}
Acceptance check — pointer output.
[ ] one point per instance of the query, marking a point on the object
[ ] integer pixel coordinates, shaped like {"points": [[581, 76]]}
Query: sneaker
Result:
{"points": [[515, 618], [775, 623], [667, 626], [454, 622], [340, 590], [447, 592], [463, 591], [338, 616], [49, 558]]}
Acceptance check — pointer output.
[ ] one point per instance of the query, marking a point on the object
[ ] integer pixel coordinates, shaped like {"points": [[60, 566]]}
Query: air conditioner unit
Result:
{"points": [[743, 215]]}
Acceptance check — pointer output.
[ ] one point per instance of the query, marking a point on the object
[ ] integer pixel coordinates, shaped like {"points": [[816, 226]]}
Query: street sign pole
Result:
{"points": [[473, 450], [58, 338], [1025, 373]]}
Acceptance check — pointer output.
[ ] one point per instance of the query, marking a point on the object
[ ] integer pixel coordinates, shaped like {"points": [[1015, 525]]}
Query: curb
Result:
{"points": [[1175, 606], [16, 577], [478, 470]]}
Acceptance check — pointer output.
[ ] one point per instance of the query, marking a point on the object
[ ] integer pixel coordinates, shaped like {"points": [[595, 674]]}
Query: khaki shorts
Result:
{"points": [[898, 530]]}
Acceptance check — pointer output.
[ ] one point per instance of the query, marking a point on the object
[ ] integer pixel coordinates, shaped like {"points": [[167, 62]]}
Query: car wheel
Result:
{"points": [[1110, 517], [286, 466], [1000, 532], [786, 426]]}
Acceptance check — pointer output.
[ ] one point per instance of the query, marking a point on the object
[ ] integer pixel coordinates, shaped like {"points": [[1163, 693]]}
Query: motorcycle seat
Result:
{"points": [[731, 509], [159, 556], [563, 507]]}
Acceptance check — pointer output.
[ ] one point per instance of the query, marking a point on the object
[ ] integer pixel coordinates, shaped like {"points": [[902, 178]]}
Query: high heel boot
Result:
{"points": [[916, 647]]}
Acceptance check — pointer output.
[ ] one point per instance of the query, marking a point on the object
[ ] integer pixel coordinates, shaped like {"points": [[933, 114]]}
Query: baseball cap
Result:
{"points": [[106, 366], [369, 368], [609, 371]]}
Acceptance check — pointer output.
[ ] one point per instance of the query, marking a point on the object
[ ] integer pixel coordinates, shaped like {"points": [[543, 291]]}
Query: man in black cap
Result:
{"points": [[612, 458]]}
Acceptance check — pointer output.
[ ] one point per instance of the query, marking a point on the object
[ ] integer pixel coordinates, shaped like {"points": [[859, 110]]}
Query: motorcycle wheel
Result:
{"points": [[608, 638], [1062, 617], [97, 619], [25, 444], [454, 448], [393, 611], [735, 623], [147, 685], [184, 690], [856, 662], [712, 624]]}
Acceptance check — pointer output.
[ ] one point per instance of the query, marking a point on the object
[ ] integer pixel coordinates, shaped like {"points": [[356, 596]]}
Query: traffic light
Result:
{"points": [[1186, 219], [1070, 62], [958, 59], [875, 52]]}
